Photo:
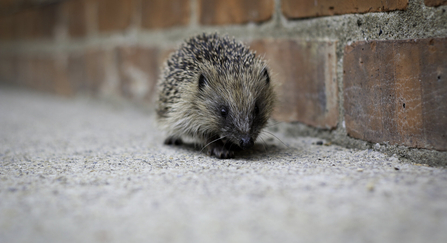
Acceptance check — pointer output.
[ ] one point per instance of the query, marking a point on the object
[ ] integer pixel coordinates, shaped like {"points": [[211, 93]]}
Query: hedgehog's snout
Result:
{"points": [[246, 142]]}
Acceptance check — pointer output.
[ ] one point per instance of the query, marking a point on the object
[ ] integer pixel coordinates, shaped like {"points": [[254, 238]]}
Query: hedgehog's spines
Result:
{"points": [[206, 73]]}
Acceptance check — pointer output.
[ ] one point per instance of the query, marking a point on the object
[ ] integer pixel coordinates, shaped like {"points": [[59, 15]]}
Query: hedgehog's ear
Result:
{"points": [[266, 75], [202, 82]]}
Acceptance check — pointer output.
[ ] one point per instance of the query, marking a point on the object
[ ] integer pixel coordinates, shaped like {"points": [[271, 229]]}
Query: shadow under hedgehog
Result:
{"points": [[216, 91]]}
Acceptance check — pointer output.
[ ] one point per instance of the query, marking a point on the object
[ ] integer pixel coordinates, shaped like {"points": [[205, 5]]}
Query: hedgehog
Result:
{"points": [[216, 91]]}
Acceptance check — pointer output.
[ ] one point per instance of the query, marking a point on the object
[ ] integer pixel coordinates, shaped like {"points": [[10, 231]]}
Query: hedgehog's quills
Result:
{"points": [[215, 90]]}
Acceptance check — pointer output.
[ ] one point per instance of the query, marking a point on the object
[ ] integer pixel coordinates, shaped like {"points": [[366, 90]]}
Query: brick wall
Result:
{"points": [[369, 70]]}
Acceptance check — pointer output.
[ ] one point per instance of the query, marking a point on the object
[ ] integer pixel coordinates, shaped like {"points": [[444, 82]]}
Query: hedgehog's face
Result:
{"points": [[238, 107]]}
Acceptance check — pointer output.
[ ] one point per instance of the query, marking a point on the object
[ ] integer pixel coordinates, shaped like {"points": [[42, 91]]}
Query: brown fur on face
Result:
{"points": [[214, 87]]}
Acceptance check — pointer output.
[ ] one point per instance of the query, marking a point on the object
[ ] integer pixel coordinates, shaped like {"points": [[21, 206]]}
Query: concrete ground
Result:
{"points": [[77, 170]]}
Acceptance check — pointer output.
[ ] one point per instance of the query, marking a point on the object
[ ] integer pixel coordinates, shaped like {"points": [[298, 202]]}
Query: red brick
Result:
{"points": [[158, 14], [114, 15], [8, 5], [86, 71], [220, 12], [36, 23], [43, 74], [75, 11], [7, 28], [95, 69], [61, 83], [435, 3], [312, 8], [36, 73], [306, 77], [24, 75], [107, 67], [94, 72], [396, 92], [25, 24], [139, 70], [8, 69], [76, 72], [47, 20]]}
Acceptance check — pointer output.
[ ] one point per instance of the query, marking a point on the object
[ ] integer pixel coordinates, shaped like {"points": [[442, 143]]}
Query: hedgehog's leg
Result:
{"points": [[171, 140], [219, 150]]}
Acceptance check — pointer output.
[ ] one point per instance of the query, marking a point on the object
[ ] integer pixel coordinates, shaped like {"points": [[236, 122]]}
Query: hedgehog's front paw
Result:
{"points": [[173, 141], [220, 152]]}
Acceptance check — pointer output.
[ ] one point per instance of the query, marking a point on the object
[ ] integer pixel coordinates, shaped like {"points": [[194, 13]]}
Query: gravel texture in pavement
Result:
{"points": [[81, 170]]}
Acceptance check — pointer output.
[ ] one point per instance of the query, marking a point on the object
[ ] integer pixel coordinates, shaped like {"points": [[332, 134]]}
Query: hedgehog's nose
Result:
{"points": [[246, 142]]}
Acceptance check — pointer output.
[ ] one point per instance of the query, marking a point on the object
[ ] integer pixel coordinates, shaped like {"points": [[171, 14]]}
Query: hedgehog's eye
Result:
{"points": [[256, 110], [224, 112]]}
